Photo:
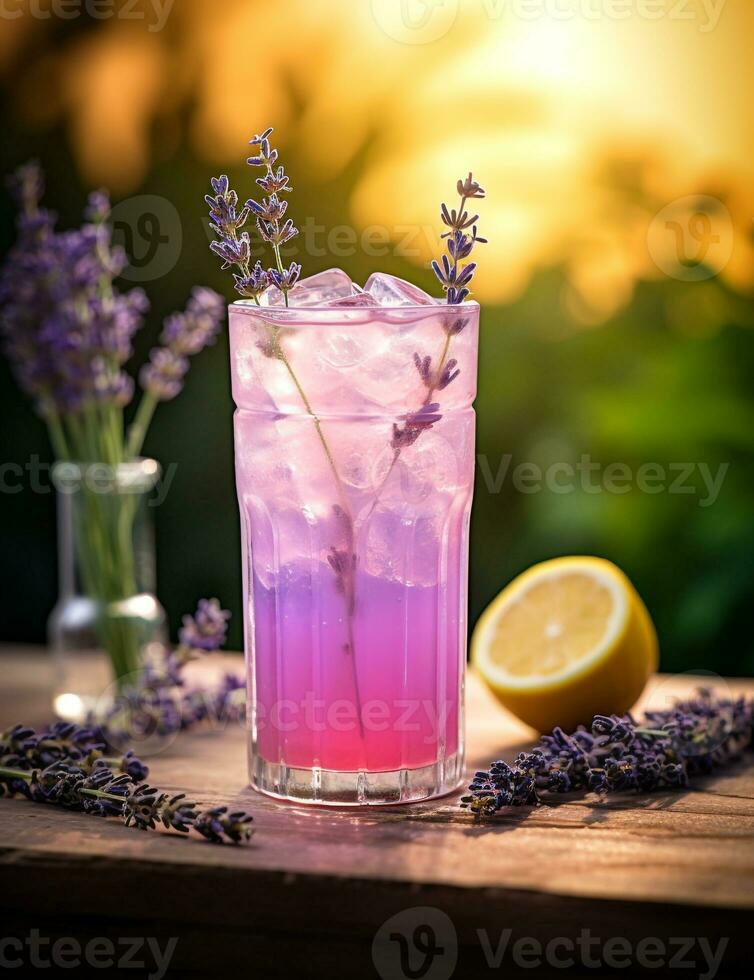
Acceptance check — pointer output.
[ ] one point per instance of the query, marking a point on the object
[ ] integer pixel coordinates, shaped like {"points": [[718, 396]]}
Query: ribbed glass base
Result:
{"points": [[362, 788]]}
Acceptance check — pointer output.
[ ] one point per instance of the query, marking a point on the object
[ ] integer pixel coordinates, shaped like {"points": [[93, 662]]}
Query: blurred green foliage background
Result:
{"points": [[588, 349]]}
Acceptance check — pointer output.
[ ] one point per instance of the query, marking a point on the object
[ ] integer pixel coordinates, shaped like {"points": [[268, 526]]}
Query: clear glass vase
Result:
{"points": [[354, 445], [107, 618]]}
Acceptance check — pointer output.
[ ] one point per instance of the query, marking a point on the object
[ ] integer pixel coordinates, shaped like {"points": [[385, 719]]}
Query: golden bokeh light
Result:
{"points": [[541, 107]]}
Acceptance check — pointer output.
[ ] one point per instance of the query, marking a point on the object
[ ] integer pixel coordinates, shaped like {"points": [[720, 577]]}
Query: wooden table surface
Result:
{"points": [[314, 885]]}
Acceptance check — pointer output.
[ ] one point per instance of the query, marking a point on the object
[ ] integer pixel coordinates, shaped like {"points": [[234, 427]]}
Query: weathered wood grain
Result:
{"points": [[643, 865]]}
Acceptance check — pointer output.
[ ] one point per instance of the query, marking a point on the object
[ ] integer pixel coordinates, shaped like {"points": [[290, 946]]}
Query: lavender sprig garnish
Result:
{"points": [[271, 210], [694, 737], [414, 424], [455, 280], [233, 246]]}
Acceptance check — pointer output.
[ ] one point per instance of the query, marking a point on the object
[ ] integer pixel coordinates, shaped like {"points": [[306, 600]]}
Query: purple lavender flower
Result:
{"points": [[266, 157], [207, 628], [100, 792], [133, 767], [190, 332], [277, 235], [414, 424], [65, 328], [431, 380], [61, 740], [162, 377], [618, 754], [227, 221], [178, 812], [115, 389], [218, 824], [233, 245], [254, 284], [455, 278], [271, 208], [274, 182], [161, 704], [98, 207], [286, 279], [233, 251], [141, 806]]}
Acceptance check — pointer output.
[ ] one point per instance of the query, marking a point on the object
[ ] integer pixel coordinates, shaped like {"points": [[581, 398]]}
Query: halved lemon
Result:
{"points": [[568, 639]]}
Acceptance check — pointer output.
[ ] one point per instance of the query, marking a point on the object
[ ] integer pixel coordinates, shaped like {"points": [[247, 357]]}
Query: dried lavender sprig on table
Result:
{"points": [[693, 738], [91, 785], [24, 748], [69, 764]]}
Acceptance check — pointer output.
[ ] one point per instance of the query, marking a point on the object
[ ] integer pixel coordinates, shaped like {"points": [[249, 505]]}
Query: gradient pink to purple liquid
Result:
{"points": [[382, 690]]}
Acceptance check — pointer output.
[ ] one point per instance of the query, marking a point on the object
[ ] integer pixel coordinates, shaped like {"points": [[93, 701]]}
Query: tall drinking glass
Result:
{"points": [[354, 447]]}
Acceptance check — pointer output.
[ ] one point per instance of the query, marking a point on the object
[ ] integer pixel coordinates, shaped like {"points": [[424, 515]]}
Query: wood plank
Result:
{"points": [[690, 847], [635, 865]]}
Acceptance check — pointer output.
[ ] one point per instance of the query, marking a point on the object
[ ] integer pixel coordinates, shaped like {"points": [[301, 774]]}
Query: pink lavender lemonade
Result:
{"points": [[354, 445]]}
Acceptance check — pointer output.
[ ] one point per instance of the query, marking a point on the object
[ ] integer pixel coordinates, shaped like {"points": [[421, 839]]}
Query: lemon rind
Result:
{"points": [[617, 624]]}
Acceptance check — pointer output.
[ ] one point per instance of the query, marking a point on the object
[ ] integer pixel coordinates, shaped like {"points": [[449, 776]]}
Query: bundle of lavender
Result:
{"points": [[75, 767], [666, 750]]}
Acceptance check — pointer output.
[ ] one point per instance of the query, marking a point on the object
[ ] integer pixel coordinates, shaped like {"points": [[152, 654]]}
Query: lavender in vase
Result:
{"points": [[68, 331]]}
